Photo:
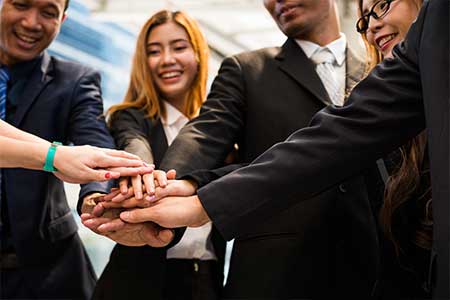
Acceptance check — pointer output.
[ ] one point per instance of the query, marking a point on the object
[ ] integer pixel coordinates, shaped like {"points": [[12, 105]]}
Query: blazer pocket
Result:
{"points": [[62, 228]]}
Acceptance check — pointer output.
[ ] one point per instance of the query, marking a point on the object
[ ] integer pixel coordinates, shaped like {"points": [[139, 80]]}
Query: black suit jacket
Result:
{"points": [[322, 248], [139, 272], [392, 105], [61, 102]]}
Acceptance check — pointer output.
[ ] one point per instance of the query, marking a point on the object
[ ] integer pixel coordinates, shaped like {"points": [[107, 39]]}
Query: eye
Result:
{"points": [[153, 52], [180, 48], [20, 5], [49, 14], [383, 5]]}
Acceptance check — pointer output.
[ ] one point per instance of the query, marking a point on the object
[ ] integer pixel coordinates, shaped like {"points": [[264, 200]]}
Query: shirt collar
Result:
{"points": [[337, 47], [172, 114]]}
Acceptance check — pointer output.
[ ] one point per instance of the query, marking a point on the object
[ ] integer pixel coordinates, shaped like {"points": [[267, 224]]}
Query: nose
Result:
{"points": [[374, 24], [31, 20], [168, 58]]}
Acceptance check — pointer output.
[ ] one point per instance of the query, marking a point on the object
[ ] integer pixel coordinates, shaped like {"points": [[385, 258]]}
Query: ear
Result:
{"points": [[63, 17]]}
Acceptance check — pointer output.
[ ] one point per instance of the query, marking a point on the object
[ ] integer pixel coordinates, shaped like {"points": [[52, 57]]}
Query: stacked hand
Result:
{"points": [[144, 206]]}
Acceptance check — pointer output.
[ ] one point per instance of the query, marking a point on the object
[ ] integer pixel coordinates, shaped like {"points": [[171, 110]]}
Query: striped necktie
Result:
{"points": [[4, 77], [324, 60]]}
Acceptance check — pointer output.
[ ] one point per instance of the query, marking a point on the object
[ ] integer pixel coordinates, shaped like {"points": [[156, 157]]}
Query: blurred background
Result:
{"points": [[102, 34]]}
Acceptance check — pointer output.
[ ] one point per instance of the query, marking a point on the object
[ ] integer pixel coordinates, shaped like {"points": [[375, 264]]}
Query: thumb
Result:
{"points": [[166, 235], [138, 215]]}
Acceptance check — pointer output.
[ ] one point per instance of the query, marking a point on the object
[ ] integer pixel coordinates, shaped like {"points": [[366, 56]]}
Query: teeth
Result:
{"points": [[170, 74], [27, 39], [386, 39]]}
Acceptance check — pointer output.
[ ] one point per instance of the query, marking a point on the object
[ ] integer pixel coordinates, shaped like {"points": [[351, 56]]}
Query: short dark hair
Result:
{"points": [[67, 5]]}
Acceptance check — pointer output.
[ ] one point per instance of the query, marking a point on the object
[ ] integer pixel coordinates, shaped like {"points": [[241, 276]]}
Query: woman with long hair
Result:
{"points": [[166, 90], [405, 215]]}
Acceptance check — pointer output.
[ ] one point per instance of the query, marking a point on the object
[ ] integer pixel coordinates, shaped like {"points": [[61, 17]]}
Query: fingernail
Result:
{"points": [[125, 215], [88, 223], [101, 228], [150, 198], [108, 175]]}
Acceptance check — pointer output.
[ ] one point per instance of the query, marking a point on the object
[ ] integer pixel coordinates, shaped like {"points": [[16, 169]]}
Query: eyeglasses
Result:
{"points": [[377, 11]]}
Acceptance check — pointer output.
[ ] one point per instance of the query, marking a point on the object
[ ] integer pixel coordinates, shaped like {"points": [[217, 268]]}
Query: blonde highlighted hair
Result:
{"points": [[142, 93]]}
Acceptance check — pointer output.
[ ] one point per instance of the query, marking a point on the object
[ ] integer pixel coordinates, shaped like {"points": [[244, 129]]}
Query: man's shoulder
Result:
{"points": [[70, 68], [262, 53]]}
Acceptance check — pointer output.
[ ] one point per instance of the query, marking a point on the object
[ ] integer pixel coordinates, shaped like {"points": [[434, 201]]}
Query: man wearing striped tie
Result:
{"points": [[41, 253]]}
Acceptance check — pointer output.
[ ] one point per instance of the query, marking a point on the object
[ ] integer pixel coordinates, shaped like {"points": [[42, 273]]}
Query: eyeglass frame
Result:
{"points": [[367, 16]]}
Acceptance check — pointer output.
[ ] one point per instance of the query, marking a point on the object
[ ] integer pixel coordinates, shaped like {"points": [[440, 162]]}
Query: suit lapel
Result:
{"points": [[38, 80], [158, 141], [294, 62], [355, 70]]}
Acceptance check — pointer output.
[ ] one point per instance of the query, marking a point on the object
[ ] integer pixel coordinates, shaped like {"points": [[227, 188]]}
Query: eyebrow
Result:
{"points": [[171, 42]]}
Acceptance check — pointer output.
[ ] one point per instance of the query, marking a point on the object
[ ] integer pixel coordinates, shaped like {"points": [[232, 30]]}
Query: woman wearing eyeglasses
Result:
{"points": [[405, 216]]}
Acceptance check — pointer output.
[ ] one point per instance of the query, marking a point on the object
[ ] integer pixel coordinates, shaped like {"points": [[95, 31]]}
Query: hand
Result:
{"points": [[180, 188], [159, 177], [147, 233], [170, 212], [82, 164]]}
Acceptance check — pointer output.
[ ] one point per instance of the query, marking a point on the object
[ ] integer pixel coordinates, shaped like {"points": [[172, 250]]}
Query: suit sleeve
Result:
{"points": [[87, 123], [202, 177], [127, 129], [383, 112], [206, 140]]}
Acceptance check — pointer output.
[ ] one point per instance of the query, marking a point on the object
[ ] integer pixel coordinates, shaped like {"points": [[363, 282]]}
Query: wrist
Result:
{"points": [[50, 157], [202, 216]]}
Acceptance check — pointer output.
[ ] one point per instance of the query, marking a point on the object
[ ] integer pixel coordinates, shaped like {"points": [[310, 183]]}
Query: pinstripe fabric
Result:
{"points": [[324, 60]]}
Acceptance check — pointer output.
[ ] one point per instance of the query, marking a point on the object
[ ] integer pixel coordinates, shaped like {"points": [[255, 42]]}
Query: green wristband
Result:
{"points": [[48, 166]]}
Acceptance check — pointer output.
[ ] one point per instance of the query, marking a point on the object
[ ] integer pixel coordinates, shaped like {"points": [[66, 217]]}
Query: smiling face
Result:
{"points": [[27, 27], [390, 29], [172, 61], [304, 19]]}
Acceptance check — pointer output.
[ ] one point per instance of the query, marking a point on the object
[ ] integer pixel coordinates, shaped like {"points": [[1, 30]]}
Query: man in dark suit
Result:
{"points": [[394, 103], [308, 250], [41, 252]]}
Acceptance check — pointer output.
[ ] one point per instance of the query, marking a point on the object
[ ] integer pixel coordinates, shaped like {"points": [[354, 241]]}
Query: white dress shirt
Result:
{"points": [[196, 242], [338, 49]]}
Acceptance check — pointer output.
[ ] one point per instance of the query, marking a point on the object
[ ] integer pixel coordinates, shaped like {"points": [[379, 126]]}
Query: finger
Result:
{"points": [[114, 225], [132, 171], [137, 186], [121, 197], [133, 203], [111, 204], [160, 177], [94, 223], [98, 210], [138, 215], [111, 195], [100, 175], [123, 185], [149, 185], [85, 217], [166, 235], [171, 174], [156, 237], [120, 153]]}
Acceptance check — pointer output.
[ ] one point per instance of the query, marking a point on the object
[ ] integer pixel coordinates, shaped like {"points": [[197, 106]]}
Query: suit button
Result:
{"points": [[342, 188]]}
